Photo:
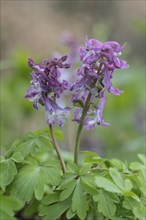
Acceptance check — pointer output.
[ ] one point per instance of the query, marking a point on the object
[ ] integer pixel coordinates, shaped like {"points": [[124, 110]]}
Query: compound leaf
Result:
{"points": [[31, 179]]}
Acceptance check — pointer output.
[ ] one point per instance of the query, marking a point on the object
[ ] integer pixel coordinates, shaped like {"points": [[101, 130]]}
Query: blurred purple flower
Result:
{"points": [[69, 40], [47, 86]]}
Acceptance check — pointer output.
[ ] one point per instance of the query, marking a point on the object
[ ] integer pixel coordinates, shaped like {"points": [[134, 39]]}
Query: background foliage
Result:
{"points": [[32, 182]]}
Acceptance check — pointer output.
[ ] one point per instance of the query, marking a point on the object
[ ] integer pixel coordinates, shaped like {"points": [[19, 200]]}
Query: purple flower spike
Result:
{"points": [[46, 81], [99, 62]]}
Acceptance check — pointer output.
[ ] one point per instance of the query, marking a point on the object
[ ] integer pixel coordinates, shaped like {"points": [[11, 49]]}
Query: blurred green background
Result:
{"points": [[33, 29]]}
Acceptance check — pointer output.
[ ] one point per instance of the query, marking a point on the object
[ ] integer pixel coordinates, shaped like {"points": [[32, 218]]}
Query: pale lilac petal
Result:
{"points": [[99, 118], [34, 93], [90, 123], [77, 114], [33, 65], [107, 79], [50, 118], [115, 91]]}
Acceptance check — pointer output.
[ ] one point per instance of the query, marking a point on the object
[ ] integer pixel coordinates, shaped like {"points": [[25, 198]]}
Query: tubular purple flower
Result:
{"points": [[91, 122], [54, 111], [46, 87], [107, 82]]}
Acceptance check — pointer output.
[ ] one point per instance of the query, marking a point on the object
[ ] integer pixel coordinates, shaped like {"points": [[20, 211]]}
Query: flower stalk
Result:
{"points": [[57, 149], [86, 107], [81, 124]]}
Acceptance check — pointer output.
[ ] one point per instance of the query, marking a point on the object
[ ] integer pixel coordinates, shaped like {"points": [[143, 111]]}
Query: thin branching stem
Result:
{"points": [[57, 149]]}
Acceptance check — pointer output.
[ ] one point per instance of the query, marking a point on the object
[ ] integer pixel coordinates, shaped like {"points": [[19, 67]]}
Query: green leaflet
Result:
{"points": [[142, 158], [128, 185], [106, 184], [140, 212], [132, 195], [70, 214], [91, 157], [138, 209], [142, 180], [72, 168], [124, 184], [130, 203], [8, 205], [117, 178], [31, 179], [88, 184], [117, 163], [8, 172], [135, 166], [31, 209], [68, 190], [54, 211], [85, 169], [79, 203], [106, 205], [66, 180], [113, 197], [51, 198]]}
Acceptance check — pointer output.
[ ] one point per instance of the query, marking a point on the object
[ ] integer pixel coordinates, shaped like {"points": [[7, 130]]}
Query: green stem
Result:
{"points": [[85, 109], [56, 146]]}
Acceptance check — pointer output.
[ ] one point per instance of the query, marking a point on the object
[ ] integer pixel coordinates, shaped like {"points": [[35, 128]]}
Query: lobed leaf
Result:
{"points": [[135, 166], [68, 190], [106, 205], [51, 198], [88, 184], [8, 206], [54, 211], [31, 144], [142, 158], [140, 212], [8, 172], [106, 184], [117, 178], [32, 179], [70, 214], [67, 178], [79, 203]]}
